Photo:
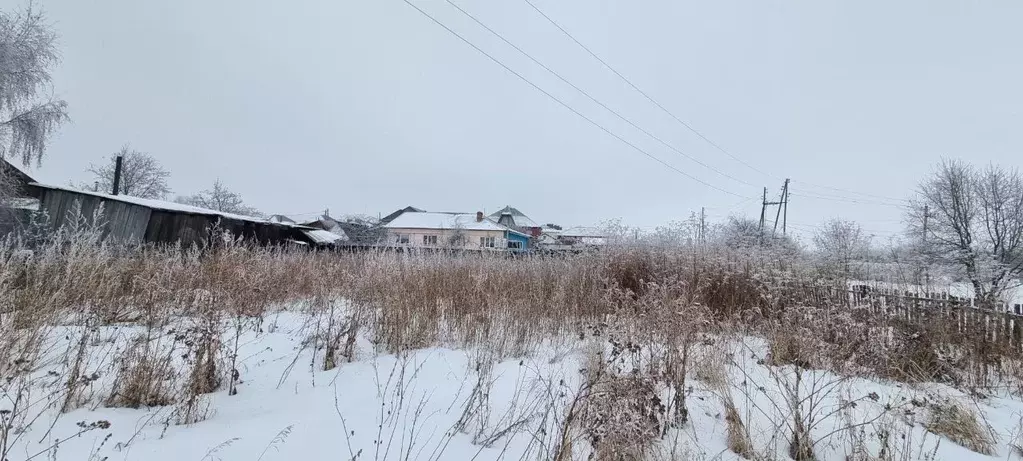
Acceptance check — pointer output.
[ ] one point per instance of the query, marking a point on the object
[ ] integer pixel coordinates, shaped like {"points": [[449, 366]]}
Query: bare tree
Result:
{"points": [[27, 116], [840, 244], [220, 198], [973, 220], [141, 174]]}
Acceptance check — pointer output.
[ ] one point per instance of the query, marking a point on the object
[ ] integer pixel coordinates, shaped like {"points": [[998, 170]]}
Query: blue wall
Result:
{"points": [[512, 237]]}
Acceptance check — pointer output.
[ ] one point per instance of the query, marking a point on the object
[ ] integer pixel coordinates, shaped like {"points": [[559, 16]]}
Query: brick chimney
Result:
{"points": [[479, 216]]}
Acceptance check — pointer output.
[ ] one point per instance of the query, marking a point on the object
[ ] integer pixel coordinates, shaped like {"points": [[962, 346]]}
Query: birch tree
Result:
{"points": [[28, 114], [840, 244], [972, 220]]}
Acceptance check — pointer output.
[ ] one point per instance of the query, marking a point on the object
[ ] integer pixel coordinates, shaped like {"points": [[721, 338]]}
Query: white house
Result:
{"points": [[464, 231]]}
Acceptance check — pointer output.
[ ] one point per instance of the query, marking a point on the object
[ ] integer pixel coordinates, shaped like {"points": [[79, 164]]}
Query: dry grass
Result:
{"points": [[737, 438], [144, 379], [960, 424], [652, 308]]}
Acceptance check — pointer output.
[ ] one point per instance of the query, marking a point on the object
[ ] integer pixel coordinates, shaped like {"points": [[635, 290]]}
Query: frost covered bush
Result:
{"points": [[621, 413]]}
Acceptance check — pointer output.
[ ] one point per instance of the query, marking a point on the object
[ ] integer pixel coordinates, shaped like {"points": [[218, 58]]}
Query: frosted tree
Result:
{"points": [[220, 198], [840, 244], [141, 174], [28, 115], [739, 232], [972, 220]]}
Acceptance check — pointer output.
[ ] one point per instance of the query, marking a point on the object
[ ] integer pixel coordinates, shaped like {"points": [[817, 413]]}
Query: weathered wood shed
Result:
{"points": [[132, 219]]}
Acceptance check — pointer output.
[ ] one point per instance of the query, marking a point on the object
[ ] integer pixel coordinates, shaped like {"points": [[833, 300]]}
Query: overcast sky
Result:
{"points": [[366, 106]]}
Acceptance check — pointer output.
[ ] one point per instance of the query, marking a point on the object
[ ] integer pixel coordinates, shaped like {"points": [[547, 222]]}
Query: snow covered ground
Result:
{"points": [[444, 404]]}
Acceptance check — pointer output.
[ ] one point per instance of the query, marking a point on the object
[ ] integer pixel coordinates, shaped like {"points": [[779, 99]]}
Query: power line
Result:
{"points": [[638, 90], [855, 199], [854, 192], [595, 100], [847, 200], [565, 105], [859, 199], [819, 227], [672, 115]]}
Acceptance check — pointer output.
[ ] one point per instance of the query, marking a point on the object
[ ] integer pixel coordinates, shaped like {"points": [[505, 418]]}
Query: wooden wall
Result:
{"points": [[127, 222], [122, 222]]}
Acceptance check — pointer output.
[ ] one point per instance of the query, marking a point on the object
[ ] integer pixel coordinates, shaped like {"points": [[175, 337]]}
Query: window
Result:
{"points": [[514, 245], [402, 239], [429, 240], [487, 242]]}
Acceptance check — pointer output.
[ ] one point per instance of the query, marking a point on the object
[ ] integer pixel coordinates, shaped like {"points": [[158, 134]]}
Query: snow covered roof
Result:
{"points": [[279, 218], [431, 220], [408, 209], [521, 220], [322, 237], [583, 232], [159, 204]]}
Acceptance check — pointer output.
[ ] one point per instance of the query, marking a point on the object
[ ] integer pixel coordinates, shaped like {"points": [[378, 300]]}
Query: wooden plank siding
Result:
{"points": [[170, 227], [126, 222], [121, 222]]}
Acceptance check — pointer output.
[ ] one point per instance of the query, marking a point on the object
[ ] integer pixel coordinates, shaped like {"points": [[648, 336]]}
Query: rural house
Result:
{"points": [[515, 219], [462, 231], [583, 236], [392, 216]]}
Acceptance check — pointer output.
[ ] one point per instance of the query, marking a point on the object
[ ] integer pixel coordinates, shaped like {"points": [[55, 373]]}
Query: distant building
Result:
{"points": [[460, 231], [554, 238], [392, 216], [328, 224], [583, 236], [279, 218], [17, 207], [126, 219], [515, 219]]}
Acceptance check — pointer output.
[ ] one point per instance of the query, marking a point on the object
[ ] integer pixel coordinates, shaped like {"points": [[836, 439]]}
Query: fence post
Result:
{"points": [[1017, 332]]}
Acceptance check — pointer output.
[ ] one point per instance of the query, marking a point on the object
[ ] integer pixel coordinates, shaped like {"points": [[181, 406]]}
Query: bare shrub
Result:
{"points": [[961, 425], [731, 293], [621, 414], [145, 377]]}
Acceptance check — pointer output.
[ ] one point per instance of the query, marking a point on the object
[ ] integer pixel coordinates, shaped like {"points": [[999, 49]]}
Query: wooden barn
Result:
{"points": [[132, 219]]}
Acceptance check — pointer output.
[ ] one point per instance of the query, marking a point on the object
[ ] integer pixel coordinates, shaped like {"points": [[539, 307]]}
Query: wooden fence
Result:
{"points": [[1003, 325], [932, 312]]}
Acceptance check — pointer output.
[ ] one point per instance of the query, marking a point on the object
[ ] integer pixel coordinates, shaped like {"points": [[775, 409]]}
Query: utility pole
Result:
{"points": [[703, 225], [782, 202], [763, 209], [927, 266], [785, 215]]}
